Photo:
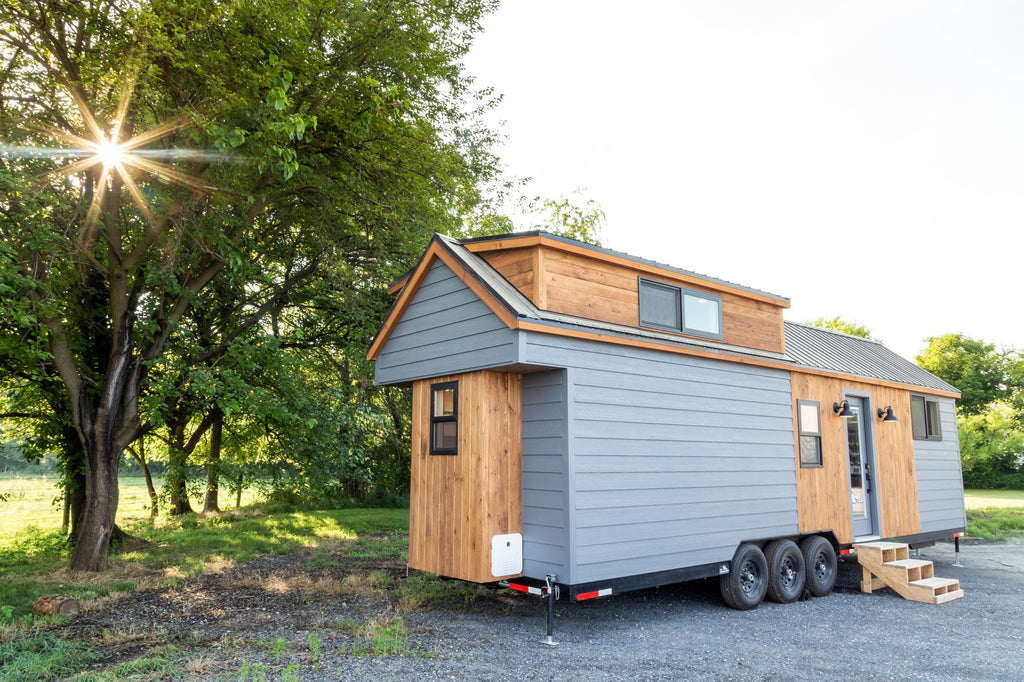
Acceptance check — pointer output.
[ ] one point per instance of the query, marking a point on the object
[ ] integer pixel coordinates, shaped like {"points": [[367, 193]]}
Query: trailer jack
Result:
{"points": [[550, 592], [550, 595]]}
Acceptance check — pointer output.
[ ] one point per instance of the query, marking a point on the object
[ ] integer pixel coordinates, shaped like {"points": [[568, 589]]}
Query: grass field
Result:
{"points": [[979, 499], [32, 502]]}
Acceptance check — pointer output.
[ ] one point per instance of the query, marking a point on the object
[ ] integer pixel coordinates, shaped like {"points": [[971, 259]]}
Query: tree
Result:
{"points": [[838, 324], [299, 140], [974, 367]]}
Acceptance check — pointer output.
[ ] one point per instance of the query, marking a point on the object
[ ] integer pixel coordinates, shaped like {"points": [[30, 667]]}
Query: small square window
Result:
{"points": [[444, 418], [808, 414], [926, 418], [659, 306], [702, 314]]}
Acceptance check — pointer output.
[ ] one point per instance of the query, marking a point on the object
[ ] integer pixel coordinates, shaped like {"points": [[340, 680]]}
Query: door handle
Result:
{"points": [[867, 479]]}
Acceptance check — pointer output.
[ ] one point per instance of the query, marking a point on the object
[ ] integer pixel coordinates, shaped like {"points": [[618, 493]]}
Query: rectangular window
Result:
{"points": [[665, 306], [808, 414], [659, 306], [925, 417], [444, 418]]}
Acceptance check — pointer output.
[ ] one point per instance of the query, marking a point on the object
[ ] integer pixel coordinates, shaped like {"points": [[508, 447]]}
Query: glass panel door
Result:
{"points": [[858, 452]]}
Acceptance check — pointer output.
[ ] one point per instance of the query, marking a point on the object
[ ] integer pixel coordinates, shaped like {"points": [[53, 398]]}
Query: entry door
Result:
{"points": [[858, 450]]}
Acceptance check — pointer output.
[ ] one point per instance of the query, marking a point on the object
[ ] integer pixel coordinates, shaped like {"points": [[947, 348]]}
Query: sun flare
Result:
{"points": [[110, 153]]}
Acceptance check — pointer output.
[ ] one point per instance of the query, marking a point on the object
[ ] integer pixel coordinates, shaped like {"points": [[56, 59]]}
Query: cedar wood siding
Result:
{"points": [[939, 479], [446, 329], [547, 544], [674, 460]]}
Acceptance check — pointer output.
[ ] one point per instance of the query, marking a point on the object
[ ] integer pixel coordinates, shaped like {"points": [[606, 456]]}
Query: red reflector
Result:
{"points": [[518, 588], [959, 535], [587, 595], [846, 551]]}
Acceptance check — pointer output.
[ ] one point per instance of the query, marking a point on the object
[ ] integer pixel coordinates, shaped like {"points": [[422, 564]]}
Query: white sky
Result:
{"points": [[862, 159]]}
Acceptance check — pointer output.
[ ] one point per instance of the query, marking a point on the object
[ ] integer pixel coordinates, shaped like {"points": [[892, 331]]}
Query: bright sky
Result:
{"points": [[863, 159]]}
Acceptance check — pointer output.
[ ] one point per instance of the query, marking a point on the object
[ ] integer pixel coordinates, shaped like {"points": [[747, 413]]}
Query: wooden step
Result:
{"points": [[887, 564]]}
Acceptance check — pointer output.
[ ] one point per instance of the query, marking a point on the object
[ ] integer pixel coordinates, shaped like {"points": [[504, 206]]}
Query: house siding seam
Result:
{"points": [[446, 329], [677, 459], [939, 478]]}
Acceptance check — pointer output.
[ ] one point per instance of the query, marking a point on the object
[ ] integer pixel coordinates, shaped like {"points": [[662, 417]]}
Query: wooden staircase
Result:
{"points": [[888, 564]]}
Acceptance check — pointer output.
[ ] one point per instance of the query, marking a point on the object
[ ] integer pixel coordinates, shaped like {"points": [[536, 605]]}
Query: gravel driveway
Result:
{"points": [[684, 632]]}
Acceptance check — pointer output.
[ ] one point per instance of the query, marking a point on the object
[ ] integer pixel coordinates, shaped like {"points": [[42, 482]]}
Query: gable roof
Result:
{"points": [[810, 348]]}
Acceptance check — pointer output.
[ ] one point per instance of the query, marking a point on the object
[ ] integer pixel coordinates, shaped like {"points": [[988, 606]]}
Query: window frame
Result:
{"points": [[444, 418], [932, 424], [818, 461], [681, 294]]}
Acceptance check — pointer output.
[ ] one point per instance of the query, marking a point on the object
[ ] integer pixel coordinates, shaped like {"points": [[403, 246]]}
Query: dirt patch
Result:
{"points": [[299, 612]]}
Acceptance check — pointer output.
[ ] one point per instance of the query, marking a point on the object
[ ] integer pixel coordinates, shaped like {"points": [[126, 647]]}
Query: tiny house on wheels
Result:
{"points": [[593, 422]]}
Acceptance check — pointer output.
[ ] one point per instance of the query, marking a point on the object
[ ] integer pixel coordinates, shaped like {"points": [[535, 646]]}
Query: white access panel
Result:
{"points": [[506, 555]]}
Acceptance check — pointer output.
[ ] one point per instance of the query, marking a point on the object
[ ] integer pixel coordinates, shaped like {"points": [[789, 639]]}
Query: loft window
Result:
{"points": [[925, 418], [808, 413], [665, 306], [444, 418]]}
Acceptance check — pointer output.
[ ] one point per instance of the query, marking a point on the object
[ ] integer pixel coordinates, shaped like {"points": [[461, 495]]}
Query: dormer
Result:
{"points": [[565, 276]]}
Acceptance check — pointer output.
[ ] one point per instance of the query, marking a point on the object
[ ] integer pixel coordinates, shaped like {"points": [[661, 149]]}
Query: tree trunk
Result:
{"points": [[177, 471], [139, 455], [213, 463], [96, 528], [238, 494]]}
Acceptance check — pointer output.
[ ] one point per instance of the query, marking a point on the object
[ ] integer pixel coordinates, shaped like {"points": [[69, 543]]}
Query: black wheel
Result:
{"points": [[785, 571], [745, 585], [822, 567]]}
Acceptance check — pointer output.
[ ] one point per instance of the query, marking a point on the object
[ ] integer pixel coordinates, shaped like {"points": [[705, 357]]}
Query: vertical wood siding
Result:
{"points": [[459, 502], [546, 548], [445, 329], [940, 486], [824, 493], [676, 459]]}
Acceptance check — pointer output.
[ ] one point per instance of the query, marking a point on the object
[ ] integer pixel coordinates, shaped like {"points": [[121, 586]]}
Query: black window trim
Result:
{"points": [[453, 417], [933, 432], [683, 293], [801, 433]]}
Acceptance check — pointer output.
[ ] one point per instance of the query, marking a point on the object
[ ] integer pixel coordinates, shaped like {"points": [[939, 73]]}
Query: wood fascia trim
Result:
{"points": [[511, 242], [396, 287], [435, 252], [543, 328]]}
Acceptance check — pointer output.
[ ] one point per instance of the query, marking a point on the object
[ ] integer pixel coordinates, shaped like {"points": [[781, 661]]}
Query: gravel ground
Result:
{"points": [[672, 633]]}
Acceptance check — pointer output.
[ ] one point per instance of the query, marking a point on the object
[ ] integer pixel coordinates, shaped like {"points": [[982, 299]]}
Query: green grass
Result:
{"points": [[35, 656], [33, 503], [975, 499]]}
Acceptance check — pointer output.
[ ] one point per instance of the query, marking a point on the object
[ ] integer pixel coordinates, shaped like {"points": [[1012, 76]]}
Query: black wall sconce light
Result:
{"points": [[843, 409], [886, 415]]}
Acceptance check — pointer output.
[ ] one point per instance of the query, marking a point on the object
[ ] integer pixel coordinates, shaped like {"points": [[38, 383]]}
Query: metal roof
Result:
{"points": [[831, 351]]}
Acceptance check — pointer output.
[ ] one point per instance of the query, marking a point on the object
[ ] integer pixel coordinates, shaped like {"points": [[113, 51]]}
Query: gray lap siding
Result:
{"points": [[674, 459], [939, 478], [446, 329]]}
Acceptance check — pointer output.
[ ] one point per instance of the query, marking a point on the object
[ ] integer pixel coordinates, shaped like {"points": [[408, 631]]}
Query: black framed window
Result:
{"points": [[808, 414], [665, 306], [926, 418], [444, 418]]}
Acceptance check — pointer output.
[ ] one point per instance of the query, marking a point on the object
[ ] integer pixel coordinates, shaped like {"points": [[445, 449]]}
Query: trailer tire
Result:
{"points": [[786, 573], [822, 566], [744, 586]]}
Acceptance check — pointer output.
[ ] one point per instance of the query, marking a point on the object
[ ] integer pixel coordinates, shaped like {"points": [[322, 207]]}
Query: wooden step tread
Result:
{"points": [[881, 545], [935, 582], [908, 563]]}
